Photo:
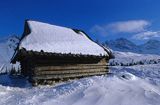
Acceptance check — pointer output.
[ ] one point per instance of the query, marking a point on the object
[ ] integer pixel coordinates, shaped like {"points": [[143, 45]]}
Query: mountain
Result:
{"points": [[7, 48], [124, 45], [121, 44], [152, 47]]}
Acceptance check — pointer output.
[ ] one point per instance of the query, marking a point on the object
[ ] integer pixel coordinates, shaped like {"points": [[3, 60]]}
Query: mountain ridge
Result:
{"points": [[7, 48], [125, 45]]}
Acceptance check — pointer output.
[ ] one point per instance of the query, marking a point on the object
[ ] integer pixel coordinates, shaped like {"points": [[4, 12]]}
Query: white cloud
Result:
{"points": [[147, 35], [131, 26]]}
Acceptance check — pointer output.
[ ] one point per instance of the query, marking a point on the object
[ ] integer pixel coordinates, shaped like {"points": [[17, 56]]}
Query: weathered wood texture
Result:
{"points": [[54, 67], [63, 76]]}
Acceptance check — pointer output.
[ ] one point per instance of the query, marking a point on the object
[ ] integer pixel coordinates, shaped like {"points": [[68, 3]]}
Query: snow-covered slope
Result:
{"points": [[126, 86], [7, 47], [129, 58]]}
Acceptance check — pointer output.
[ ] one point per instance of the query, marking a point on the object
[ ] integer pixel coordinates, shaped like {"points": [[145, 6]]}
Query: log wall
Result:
{"points": [[49, 69]]}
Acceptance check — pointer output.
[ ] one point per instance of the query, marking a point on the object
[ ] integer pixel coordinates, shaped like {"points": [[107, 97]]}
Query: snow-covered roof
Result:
{"points": [[57, 39]]}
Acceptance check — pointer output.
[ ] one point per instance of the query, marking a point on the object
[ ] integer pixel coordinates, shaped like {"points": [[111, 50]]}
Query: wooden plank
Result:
{"points": [[70, 67], [73, 66], [63, 76], [70, 71], [54, 64]]}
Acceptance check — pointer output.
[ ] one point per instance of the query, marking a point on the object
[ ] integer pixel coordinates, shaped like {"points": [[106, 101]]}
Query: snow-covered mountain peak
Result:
{"points": [[122, 44], [12, 42], [122, 41], [7, 48], [151, 44]]}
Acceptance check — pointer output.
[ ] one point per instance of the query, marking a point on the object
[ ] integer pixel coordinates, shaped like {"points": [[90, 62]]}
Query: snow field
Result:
{"points": [[126, 86]]}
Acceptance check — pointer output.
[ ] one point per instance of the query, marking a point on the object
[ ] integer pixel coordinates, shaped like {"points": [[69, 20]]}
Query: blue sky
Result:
{"points": [[137, 20]]}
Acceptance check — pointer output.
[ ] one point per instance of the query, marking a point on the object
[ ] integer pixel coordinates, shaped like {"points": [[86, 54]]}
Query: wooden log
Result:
{"points": [[59, 72], [71, 70], [70, 67], [63, 76], [95, 64]]}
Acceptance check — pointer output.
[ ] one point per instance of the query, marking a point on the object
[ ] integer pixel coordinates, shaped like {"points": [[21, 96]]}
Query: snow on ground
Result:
{"points": [[126, 85], [136, 85], [130, 58]]}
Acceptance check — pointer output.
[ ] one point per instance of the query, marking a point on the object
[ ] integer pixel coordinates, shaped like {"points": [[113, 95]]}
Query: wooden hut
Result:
{"points": [[49, 53]]}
